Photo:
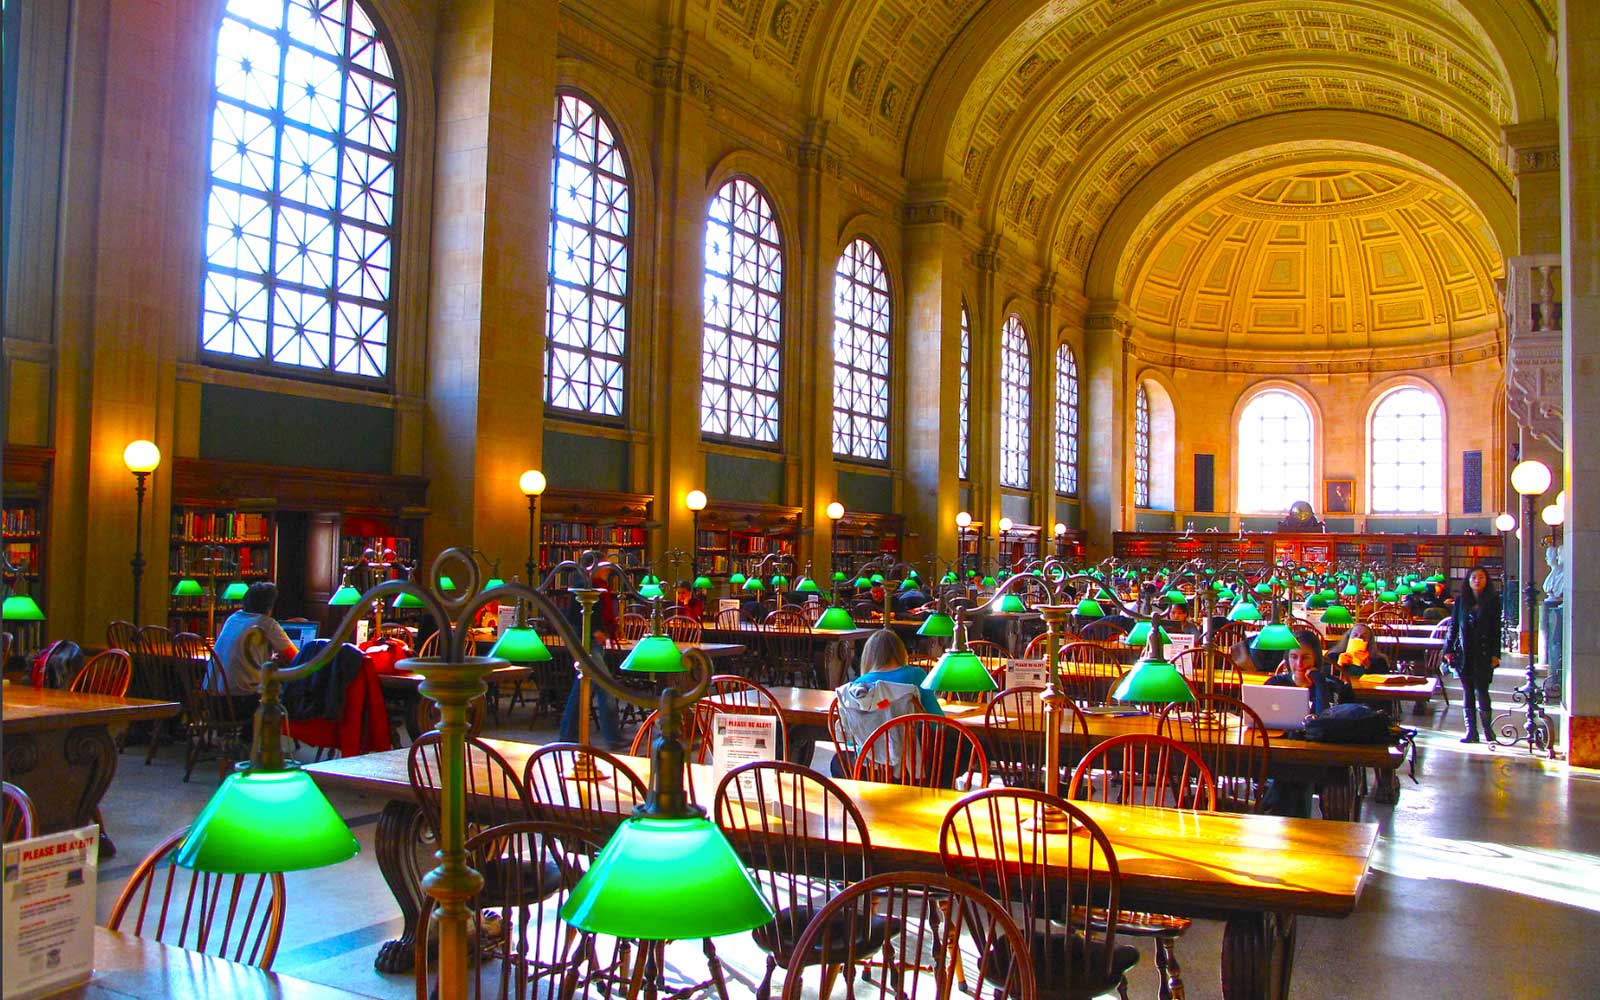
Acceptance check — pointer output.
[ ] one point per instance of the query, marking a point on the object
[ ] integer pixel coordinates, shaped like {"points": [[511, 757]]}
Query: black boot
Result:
{"points": [[1488, 724], [1472, 724]]}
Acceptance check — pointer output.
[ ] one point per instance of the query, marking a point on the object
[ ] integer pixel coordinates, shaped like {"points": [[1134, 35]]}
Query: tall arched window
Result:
{"points": [[1016, 404], [1066, 421], [740, 362], [586, 333], [1274, 454], [1406, 446], [861, 354], [1141, 447], [300, 212], [964, 399]]}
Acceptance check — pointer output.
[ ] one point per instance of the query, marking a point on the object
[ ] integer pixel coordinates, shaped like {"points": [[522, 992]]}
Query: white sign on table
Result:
{"points": [[738, 739], [1028, 673], [49, 886], [1178, 642]]}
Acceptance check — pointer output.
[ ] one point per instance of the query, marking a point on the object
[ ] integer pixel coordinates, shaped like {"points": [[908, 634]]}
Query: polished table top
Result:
{"points": [[712, 650], [137, 968], [1184, 861], [29, 709], [744, 632], [406, 679]]}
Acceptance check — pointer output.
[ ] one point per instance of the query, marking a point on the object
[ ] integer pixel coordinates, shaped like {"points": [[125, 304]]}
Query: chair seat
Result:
{"points": [[1139, 924], [1049, 956], [780, 937]]}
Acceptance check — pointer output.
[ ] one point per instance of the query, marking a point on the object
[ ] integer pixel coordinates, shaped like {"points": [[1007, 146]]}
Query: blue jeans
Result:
{"points": [[606, 707]]}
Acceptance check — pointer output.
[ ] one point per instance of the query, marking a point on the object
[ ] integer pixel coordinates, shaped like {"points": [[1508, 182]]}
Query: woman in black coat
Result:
{"points": [[1473, 647]]}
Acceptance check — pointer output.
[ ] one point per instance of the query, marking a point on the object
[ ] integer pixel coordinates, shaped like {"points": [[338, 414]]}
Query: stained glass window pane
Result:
{"points": [[1016, 404], [1274, 458], [1066, 421], [1141, 448], [1407, 453], [586, 332], [964, 403], [300, 210], [740, 362], [861, 354]]}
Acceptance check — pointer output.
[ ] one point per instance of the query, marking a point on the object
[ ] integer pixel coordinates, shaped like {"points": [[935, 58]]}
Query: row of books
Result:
{"points": [[573, 532], [221, 526], [190, 560], [20, 521]]}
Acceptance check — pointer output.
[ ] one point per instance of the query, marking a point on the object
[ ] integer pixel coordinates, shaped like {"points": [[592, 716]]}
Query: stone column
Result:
{"points": [[1044, 417], [496, 107], [1579, 65], [933, 349], [812, 420], [983, 457], [1104, 461]]}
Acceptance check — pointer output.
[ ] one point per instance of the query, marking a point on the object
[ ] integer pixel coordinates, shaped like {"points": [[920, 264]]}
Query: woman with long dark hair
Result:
{"points": [[1473, 647]]}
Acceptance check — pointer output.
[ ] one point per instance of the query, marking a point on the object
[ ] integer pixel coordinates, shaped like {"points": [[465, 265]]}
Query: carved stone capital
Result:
{"points": [[932, 213]]}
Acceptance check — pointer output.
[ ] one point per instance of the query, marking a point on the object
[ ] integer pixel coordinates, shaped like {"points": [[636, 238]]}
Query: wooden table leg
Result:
{"points": [[399, 831], [1338, 796], [1258, 956], [66, 774], [1388, 786]]}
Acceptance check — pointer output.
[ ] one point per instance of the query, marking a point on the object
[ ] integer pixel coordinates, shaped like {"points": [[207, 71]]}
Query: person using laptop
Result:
{"points": [[236, 654], [1302, 667]]}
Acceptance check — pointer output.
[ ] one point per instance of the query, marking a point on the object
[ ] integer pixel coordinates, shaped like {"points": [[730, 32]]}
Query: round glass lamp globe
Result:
{"points": [[695, 500], [1060, 529], [963, 520], [835, 510], [141, 456], [1505, 522], [1006, 524], [532, 483], [1553, 515], [1561, 499], [1531, 477]]}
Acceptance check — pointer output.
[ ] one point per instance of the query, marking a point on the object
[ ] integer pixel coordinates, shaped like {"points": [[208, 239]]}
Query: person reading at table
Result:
{"points": [[889, 687], [238, 655], [1356, 654]]}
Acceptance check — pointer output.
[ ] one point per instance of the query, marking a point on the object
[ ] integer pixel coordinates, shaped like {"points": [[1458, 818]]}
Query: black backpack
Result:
{"points": [[1351, 723]]}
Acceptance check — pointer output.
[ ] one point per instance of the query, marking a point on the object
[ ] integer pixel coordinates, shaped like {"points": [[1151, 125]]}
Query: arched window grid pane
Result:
{"points": [[1141, 448], [1016, 404], [964, 402], [741, 357], [861, 354], [1066, 422], [1275, 453], [1406, 451], [304, 149], [586, 319]]}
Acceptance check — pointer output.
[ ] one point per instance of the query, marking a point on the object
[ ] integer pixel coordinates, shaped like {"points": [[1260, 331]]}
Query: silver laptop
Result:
{"points": [[1279, 707]]}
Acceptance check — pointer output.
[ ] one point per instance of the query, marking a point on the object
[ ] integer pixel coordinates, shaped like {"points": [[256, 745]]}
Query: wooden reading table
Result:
{"points": [[134, 968], [1259, 873]]}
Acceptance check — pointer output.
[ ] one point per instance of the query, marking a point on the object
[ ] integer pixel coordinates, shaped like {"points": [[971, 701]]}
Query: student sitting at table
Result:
{"points": [[888, 687], [693, 602], [1356, 654], [1302, 667], [237, 655]]}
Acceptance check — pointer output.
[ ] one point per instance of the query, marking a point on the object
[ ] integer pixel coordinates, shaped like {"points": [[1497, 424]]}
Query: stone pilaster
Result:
{"points": [[1104, 476]]}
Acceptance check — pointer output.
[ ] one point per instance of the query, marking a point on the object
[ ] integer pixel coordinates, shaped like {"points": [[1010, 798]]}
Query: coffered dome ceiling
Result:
{"points": [[1344, 263]]}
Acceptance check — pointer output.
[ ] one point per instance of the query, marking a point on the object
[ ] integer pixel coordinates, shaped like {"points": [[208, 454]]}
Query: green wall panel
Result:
{"points": [[1403, 525], [580, 462], [1203, 522], [1069, 513], [866, 491], [248, 425], [1153, 520], [744, 480]]}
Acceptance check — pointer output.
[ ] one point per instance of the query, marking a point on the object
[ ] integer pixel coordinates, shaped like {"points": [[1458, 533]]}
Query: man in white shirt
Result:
{"points": [[238, 654]]}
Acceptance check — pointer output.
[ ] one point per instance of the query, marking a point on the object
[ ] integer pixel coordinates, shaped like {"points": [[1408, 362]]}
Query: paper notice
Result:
{"points": [[49, 886]]}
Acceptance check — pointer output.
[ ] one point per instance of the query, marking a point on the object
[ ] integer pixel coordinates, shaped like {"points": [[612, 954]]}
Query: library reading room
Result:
{"points": [[741, 499]]}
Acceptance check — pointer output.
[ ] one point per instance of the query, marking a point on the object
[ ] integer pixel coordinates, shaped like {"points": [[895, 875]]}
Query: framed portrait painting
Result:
{"points": [[1338, 496]]}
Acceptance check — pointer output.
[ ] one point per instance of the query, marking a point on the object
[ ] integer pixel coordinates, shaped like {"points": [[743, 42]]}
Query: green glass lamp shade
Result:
{"points": [[408, 600], [835, 619], [493, 582], [938, 626], [907, 584], [948, 578], [445, 583], [664, 879], [913, 574], [1389, 596], [989, 581], [1328, 594], [971, 573], [754, 585], [1012, 604], [862, 583], [266, 821], [1436, 578], [1244, 613], [1105, 595], [1337, 614], [654, 654], [1090, 608], [702, 583], [1153, 681], [779, 581], [839, 576], [1350, 590], [188, 588], [1139, 635], [650, 578], [807, 586], [649, 590], [1038, 571], [345, 596], [1176, 598], [235, 591], [959, 671], [1276, 636], [1263, 589], [877, 578], [21, 608], [1316, 602], [520, 644], [1002, 574], [736, 579]]}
